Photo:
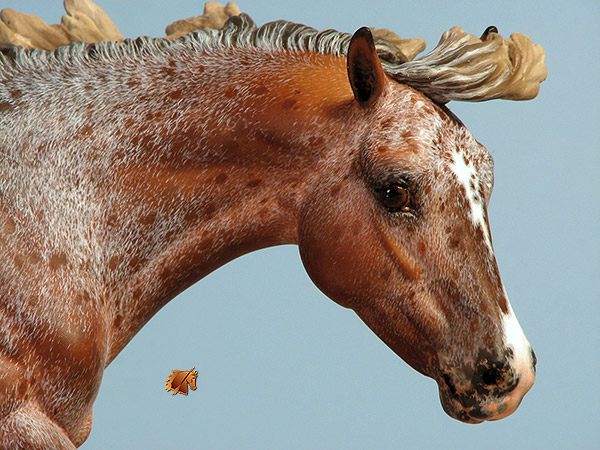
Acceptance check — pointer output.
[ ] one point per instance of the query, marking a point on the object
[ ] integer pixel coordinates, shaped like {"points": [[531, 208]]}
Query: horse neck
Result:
{"points": [[210, 157]]}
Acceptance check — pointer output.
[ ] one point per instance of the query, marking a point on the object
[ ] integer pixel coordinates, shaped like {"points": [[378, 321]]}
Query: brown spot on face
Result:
{"points": [[87, 87], [78, 299], [169, 71], [474, 326], [190, 216], [16, 93], [254, 183], [337, 231], [19, 261], [114, 262], [58, 260], [149, 218], [209, 211], [5, 106], [335, 190], [230, 92], [206, 244], [118, 320], [220, 178], [33, 300], [175, 95], [135, 263], [455, 238], [385, 275], [87, 130], [289, 103], [316, 141], [387, 123], [9, 226], [233, 148], [111, 220], [23, 386], [260, 90]]}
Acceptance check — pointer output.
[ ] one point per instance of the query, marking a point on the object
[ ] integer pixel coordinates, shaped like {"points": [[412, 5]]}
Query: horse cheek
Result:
{"points": [[337, 253]]}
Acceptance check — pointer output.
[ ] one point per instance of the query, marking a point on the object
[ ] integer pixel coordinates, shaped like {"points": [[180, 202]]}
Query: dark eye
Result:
{"points": [[396, 197]]}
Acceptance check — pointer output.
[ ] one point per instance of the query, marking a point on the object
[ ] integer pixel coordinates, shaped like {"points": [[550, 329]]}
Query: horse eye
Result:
{"points": [[396, 197]]}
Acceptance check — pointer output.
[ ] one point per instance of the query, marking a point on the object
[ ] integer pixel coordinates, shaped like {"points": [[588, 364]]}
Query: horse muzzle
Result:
{"points": [[491, 390]]}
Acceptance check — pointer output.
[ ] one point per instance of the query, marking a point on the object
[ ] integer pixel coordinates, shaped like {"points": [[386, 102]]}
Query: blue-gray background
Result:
{"points": [[282, 367]]}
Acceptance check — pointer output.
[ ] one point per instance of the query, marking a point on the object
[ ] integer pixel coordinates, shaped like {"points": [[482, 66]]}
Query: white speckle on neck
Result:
{"points": [[467, 176]]}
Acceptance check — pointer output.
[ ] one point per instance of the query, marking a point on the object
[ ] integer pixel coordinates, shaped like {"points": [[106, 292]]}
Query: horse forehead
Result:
{"points": [[407, 117], [420, 131], [411, 121]]}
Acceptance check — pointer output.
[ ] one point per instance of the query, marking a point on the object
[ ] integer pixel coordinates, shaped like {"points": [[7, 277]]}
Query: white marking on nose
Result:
{"points": [[467, 176], [515, 339], [522, 362]]}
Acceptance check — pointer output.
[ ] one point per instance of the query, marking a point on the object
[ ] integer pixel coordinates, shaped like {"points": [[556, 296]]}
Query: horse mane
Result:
{"points": [[238, 32], [461, 67]]}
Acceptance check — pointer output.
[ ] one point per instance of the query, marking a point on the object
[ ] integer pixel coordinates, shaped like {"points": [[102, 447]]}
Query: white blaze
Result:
{"points": [[522, 363], [515, 339], [467, 176]]}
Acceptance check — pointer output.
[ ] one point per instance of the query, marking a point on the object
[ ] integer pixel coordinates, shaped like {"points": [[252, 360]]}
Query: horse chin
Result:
{"points": [[456, 410], [469, 406]]}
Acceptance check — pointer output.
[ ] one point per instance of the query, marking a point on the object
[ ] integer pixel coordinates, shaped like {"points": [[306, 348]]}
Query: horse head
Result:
{"points": [[396, 229], [192, 379]]}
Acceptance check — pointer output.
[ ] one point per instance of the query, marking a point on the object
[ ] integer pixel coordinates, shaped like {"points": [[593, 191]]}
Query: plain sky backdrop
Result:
{"points": [[280, 366]]}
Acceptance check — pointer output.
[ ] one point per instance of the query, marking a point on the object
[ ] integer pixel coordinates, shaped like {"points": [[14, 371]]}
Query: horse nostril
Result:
{"points": [[491, 376]]}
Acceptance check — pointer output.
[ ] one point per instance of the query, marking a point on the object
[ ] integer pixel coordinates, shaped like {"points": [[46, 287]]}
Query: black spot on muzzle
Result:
{"points": [[467, 392]]}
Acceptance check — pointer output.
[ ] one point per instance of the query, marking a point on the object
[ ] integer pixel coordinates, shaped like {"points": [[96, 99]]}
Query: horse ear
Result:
{"points": [[364, 68]]}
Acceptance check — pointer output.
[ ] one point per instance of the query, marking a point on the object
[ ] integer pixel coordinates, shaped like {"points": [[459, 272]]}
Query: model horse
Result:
{"points": [[130, 170]]}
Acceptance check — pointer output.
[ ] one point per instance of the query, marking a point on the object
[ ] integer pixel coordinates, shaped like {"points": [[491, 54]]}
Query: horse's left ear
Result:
{"points": [[364, 68]]}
